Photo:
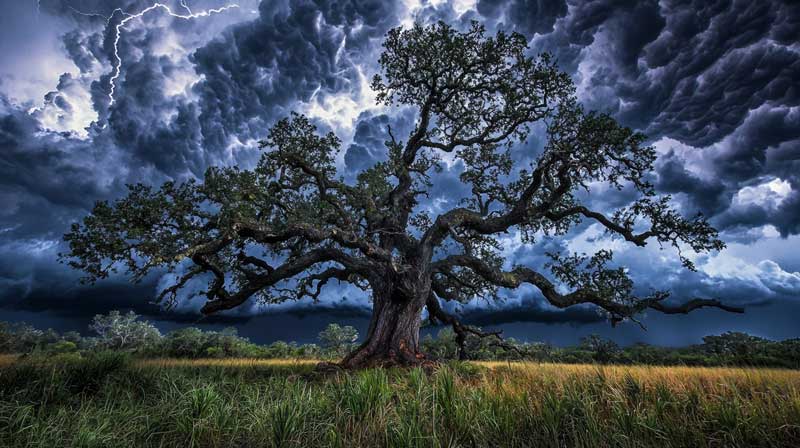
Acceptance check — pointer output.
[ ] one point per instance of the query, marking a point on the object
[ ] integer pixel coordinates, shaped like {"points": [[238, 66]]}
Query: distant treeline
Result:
{"points": [[128, 332]]}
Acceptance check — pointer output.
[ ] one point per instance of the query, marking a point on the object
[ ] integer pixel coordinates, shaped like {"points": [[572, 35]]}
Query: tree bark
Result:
{"points": [[393, 335]]}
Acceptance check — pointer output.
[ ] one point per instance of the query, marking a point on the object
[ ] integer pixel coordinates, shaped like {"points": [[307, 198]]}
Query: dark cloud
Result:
{"points": [[361, 21], [84, 50], [747, 153], [719, 73], [532, 16], [706, 106], [706, 196], [687, 69], [370, 136], [257, 70], [45, 166], [50, 179], [718, 78], [83, 301], [358, 158], [530, 312], [764, 149], [158, 129]]}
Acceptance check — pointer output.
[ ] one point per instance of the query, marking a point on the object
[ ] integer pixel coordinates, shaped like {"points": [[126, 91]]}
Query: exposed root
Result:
{"points": [[325, 367], [366, 357]]}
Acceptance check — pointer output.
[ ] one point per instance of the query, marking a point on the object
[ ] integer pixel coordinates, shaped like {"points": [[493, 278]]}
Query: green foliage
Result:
{"points": [[727, 349], [108, 400], [48, 378], [443, 346], [187, 342], [338, 340], [365, 394], [284, 229], [119, 331], [61, 347], [603, 350], [22, 338]]}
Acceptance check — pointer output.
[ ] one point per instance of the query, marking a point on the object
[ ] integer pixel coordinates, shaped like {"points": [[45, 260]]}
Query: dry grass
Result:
{"points": [[225, 362], [6, 360], [676, 376], [255, 402]]}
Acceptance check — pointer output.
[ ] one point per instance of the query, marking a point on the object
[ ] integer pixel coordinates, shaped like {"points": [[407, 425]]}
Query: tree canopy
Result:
{"points": [[287, 227]]}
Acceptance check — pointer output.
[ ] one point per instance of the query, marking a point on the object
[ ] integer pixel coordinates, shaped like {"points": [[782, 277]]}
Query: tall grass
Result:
{"points": [[6, 359], [108, 401]]}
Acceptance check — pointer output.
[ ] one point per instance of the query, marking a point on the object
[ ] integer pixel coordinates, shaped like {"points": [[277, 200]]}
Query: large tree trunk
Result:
{"points": [[393, 335]]}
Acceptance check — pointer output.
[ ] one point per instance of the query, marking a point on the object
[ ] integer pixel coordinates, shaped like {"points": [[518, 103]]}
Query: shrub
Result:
{"points": [[61, 347]]}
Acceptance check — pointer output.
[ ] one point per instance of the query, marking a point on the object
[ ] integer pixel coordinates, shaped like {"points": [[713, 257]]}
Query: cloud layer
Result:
{"points": [[714, 85]]}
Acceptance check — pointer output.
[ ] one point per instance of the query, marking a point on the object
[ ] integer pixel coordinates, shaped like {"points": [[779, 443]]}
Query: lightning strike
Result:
{"points": [[128, 17], [94, 14], [185, 6]]}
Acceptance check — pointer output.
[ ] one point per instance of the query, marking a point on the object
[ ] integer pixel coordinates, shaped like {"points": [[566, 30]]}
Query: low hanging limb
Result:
{"points": [[435, 312], [618, 311]]}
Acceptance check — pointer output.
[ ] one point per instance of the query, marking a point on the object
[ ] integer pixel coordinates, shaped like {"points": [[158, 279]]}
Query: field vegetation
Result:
{"points": [[129, 385], [110, 399], [128, 333]]}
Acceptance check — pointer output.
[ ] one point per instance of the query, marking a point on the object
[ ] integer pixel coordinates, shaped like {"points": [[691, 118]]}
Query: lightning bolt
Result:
{"points": [[128, 17], [94, 14]]}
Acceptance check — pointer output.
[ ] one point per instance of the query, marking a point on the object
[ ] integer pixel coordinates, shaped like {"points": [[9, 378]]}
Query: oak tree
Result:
{"points": [[286, 228]]}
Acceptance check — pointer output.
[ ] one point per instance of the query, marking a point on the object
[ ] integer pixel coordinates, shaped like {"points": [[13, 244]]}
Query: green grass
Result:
{"points": [[109, 400]]}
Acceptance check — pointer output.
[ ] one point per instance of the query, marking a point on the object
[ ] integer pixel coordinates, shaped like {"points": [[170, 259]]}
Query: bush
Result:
{"points": [[61, 347], [60, 378], [124, 331], [215, 352], [338, 340], [727, 349]]}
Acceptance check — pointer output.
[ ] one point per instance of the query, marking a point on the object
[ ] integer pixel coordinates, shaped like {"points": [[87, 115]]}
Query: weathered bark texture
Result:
{"points": [[393, 335]]}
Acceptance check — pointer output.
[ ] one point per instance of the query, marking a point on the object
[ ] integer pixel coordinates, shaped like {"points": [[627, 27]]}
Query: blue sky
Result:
{"points": [[97, 94]]}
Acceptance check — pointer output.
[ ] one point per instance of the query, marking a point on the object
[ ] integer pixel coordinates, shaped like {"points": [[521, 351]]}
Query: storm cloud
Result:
{"points": [[712, 83]]}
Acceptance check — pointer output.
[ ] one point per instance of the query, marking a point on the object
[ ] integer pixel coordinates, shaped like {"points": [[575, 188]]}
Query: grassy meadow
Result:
{"points": [[110, 400]]}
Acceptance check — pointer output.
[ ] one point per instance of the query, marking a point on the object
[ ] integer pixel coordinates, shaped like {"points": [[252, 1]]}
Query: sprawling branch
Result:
{"points": [[639, 239], [265, 235], [471, 91], [287, 270], [619, 309], [523, 210], [435, 312], [665, 225]]}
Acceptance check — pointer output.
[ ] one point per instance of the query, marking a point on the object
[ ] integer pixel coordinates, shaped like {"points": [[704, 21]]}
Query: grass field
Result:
{"points": [[112, 401]]}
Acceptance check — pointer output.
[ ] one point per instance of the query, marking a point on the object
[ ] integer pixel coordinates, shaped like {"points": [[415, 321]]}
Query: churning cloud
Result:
{"points": [[713, 83]]}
